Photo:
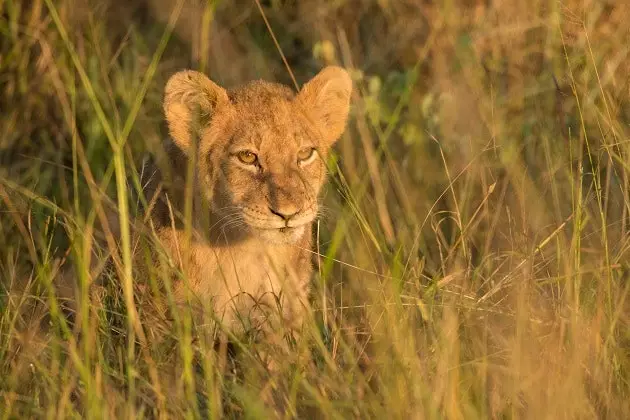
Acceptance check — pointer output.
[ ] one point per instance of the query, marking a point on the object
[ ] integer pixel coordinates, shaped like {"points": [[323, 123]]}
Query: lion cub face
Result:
{"points": [[261, 149]]}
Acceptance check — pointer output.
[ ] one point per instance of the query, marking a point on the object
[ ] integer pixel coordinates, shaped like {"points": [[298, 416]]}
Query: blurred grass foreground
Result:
{"points": [[473, 257]]}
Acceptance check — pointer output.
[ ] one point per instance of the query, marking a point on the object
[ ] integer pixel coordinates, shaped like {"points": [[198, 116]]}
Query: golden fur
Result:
{"points": [[251, 222]]}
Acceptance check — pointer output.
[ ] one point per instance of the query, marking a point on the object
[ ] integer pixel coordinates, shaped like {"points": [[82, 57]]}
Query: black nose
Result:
{"points": [[286, 215]]}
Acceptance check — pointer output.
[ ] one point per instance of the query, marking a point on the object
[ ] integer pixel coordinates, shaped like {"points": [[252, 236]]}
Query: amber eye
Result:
{"points": [[305, 153], [247, 157]]}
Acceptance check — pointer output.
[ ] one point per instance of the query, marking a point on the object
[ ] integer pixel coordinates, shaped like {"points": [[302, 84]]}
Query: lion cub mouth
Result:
{"points": [[275, 230], [285, 229], [289, 230], [283, 235]]}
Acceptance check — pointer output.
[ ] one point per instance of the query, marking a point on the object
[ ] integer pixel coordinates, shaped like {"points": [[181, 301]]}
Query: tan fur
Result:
{"points": [[238, 255]]}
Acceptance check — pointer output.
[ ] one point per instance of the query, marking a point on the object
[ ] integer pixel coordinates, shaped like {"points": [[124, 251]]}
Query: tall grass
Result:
{"points": [[472, 261]]}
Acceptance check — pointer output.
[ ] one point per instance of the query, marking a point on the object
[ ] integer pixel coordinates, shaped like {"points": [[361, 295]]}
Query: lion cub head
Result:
{"points": [[260, 149]]}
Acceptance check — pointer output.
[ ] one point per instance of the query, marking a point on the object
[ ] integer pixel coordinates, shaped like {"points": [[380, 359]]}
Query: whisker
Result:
{"points": [[227, 216], [233, 224]]}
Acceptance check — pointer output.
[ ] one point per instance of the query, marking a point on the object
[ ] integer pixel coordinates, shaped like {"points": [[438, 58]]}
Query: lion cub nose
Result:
{"points": [[285, 213]]}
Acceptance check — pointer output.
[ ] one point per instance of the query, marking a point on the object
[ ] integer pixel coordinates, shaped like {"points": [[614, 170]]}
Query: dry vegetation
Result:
{"points": [[473, 257]]}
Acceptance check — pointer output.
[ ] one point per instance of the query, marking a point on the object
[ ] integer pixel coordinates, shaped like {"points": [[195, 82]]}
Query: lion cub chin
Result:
{"points": [[256, 156]]}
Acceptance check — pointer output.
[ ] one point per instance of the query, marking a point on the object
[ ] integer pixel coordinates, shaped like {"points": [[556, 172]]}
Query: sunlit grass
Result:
{"points": [[471, 261]]}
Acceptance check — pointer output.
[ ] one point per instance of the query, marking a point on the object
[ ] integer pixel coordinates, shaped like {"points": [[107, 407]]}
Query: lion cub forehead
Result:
{"points": [[260, 93], [267, 115]]}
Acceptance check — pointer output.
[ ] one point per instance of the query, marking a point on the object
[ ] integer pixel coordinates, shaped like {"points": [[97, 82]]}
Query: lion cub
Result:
{"points": [[257, 157]]}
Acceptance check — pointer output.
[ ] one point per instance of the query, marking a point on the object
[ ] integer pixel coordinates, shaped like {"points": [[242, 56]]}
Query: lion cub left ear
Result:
{"points": [[326, 97], [191, 100]]}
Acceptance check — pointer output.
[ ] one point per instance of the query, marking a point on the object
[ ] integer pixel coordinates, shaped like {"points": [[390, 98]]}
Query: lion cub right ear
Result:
{"points": [[190, 102], [327, 98]]}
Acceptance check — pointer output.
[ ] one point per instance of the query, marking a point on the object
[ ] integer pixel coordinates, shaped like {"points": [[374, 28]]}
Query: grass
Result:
{"points": [[473, 257]]}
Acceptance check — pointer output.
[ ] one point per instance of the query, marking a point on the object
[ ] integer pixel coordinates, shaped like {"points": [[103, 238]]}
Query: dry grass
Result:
{"points": [[473, 261]]}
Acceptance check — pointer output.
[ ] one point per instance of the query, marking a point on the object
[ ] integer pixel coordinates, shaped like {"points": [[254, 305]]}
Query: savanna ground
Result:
{"points": [[473, 256]]}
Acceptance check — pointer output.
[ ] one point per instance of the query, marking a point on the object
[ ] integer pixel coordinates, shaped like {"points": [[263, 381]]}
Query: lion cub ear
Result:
{"points": [[327, 99], [190, 102]]}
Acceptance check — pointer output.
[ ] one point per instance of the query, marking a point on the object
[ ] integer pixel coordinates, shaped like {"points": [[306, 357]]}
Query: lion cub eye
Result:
{"points": [[305, 154], [247, 157]]}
